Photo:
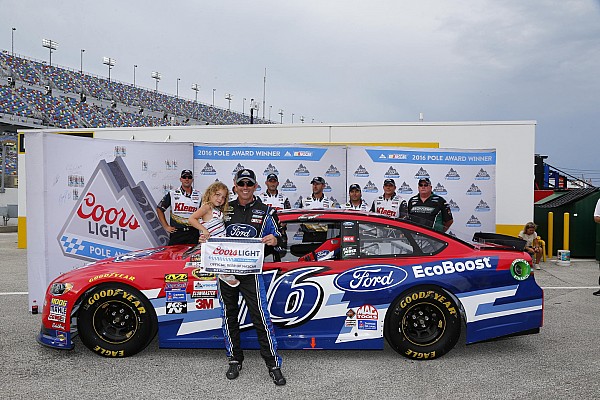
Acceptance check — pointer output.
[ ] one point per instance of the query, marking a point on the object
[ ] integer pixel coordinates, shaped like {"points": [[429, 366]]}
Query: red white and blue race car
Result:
{"points": [[346, 280]]}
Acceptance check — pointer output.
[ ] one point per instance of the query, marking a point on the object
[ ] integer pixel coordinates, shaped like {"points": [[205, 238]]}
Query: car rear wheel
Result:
{"points": [[423, 323], [116, 320]]}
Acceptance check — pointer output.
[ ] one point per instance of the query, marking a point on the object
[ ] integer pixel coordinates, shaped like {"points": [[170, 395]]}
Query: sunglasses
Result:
{"points": [[245, 183], [187, 177], [423, 184]]}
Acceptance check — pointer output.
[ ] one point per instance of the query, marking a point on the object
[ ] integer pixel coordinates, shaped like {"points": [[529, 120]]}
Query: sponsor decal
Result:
{"points": [[350, 323], [303, 153], [205, 285], [327, 188], [473, 222], [301, 171], [453, 206], [370, 278], [370, 187], [450, 267], [367, 325], [332, 171], [270, 170], [349, 252], [520, 269], [176, 277], [237, 168], [175, 285], [422, 173], [482, 206], [440, 189], [176, 307], [348, 238], [452, 175], [208, 170], [482, 175], [112, 275], [113, 216], [391, 173], [241, 230], [205, 304], [203, 276], [350, 313], [58, 326], [367, 311], [361, 172], [175, 295], [405, 188], [204, 294], [473, 190], [288, 186]]}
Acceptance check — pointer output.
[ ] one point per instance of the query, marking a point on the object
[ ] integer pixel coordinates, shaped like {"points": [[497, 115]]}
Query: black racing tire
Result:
{"points": [[423, 323], [116, 320]]}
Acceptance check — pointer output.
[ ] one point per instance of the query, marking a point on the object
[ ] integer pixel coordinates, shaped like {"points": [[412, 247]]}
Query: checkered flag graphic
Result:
{"points": [[73, 245]]}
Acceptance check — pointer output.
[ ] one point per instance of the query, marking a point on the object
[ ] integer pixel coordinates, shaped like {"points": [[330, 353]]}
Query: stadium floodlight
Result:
{"points": [[178, 79], [195, 88], [270, 107], [12, 41], [111, 63], [81, 61], [292, 118], [228, 97], [243, 105], [134, 67], [156, 76], [214, 90], [50, 45], [281, 115], [302, 118]]}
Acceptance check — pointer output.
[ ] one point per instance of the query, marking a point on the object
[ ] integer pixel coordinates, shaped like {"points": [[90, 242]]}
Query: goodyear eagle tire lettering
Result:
{"points": [[116, 320], [423, 323]]}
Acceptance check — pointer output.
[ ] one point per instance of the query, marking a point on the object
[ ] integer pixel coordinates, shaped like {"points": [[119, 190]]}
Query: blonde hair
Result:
{"points": [[214, 188], [529, 225]]}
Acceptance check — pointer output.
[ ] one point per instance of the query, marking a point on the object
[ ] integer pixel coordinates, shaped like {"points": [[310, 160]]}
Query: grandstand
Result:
{"points": [[35, 95]]}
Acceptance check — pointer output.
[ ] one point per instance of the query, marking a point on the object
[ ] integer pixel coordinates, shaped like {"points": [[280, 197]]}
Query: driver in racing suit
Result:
{"points": [[249, 217]]}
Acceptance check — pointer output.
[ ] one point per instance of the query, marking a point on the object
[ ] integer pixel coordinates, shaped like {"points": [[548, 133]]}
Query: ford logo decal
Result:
{"points": [[370, 278], [241, 230]]}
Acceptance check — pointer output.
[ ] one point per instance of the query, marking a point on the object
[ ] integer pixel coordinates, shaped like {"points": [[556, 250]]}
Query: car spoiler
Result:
{"points": [[497, 239]]}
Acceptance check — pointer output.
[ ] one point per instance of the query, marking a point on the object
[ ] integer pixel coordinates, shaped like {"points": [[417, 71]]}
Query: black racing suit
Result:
{"points": [[254, 220]]}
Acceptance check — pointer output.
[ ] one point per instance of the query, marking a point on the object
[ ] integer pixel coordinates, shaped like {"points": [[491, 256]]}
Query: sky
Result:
{"points": [[344, 61]]}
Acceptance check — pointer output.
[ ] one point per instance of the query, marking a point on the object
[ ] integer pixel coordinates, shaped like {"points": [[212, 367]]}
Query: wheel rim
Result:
{"points": [[115, 322], [423, 324]]}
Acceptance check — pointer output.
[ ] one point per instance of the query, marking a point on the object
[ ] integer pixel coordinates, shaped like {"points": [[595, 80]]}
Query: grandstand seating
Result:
{"points": [[110, 103]]}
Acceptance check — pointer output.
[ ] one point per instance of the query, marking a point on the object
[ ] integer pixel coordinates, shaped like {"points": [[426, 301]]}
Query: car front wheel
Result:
{"points": [[116, 320], [423, 323]]}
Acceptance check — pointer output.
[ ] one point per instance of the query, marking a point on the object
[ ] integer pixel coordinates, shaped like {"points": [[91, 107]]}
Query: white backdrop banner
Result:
{"points": [[465, 178], [295, 165], [93, 199]]}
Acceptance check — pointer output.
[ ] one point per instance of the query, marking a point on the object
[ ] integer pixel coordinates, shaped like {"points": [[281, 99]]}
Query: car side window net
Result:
{"points": [[377, 240], [313, 241]]}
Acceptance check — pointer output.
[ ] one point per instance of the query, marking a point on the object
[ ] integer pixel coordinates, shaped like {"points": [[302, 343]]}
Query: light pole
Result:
{"points": [[12, 41], [50, 45], [178, 79], [134, 67], [281, 115], [214, 90], [253, 106], [195, 88], [228, 98], [81, 61], [292, 118], [270, 107], [110, 62], [243, 106], [155, 75], [302, 118]]}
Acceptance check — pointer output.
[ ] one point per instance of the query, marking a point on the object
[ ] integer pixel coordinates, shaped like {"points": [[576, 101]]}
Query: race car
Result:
{"points": [[345, 280]]}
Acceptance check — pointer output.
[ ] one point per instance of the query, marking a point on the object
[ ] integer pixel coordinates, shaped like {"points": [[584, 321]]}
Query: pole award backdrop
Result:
{"points": [[465, 178]]}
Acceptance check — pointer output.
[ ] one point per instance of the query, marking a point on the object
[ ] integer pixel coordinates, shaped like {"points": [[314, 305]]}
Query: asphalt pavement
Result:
{"points": [[562, 361]]}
